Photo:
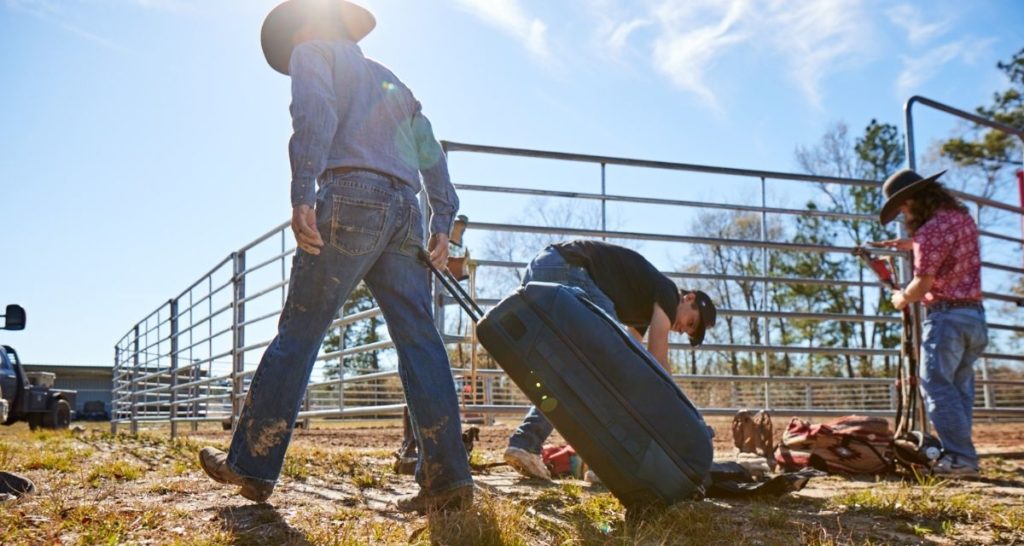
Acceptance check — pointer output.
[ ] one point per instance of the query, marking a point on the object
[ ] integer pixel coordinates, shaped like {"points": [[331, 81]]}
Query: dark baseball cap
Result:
{"points": [[708, 314]]}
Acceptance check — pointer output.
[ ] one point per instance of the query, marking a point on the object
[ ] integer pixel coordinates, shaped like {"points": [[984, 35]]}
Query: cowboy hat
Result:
{"points": [[898, 188], [283, 21]]}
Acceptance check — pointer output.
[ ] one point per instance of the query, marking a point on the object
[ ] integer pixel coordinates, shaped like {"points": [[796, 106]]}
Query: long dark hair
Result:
{"points": [[929, 200]]}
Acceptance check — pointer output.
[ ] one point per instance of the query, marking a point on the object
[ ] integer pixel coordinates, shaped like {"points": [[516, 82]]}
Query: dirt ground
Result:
{"points": [[338, 488]]}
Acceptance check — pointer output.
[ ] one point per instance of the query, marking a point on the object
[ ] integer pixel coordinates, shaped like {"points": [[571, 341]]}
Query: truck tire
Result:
{"points": [[59, 416], [35, 421]]}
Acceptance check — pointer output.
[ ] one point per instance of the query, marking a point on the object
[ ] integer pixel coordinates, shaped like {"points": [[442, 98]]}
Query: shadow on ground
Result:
{"points": [[259, 524]]}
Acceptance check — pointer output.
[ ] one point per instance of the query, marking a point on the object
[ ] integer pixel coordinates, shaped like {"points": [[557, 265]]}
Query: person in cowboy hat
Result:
{"points": [[633, 292], [947, 280], [360, 133]]}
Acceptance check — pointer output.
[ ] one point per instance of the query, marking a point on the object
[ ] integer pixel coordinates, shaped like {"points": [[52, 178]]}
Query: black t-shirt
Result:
{"points": [[632, 283]]}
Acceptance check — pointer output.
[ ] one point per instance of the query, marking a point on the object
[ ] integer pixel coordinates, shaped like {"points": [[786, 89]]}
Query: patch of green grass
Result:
{"points": [[296, 469], [7, 456], [550, 497], [478, 458], [367, 478], [179, 468], [184, 450], [59, 461], [492, 521], [304, 462], [13, 525], [353, 532], [934, 502], [50, 436], [114, 470], [594, 516], [96, 526], [165, 487], [1007, 519], [919, 529]]}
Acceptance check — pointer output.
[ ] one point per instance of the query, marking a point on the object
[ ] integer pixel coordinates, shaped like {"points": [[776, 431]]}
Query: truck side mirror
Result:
{"points": [[14, 317]]}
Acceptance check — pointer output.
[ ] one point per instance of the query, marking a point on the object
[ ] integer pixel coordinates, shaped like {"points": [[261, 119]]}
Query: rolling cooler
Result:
{"points": [[603, 391]]}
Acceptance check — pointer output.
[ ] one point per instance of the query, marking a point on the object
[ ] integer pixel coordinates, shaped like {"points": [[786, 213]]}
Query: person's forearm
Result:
{"points": [[918, 287], [659, 349]]}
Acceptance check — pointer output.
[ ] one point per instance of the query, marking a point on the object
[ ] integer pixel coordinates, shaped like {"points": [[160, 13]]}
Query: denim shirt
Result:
{"points": [[350, 111]]}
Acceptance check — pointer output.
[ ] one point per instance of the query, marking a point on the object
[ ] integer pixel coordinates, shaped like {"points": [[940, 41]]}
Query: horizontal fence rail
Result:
{"points": [[191, 360]]}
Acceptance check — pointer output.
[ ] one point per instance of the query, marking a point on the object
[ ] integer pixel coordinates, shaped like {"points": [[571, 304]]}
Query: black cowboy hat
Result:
{"points": [[898, 188], [280, 25], [708, 315]]}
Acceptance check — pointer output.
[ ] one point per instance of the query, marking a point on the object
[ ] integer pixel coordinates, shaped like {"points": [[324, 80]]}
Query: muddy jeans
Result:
{"points": [[550, 266], [951, 341], [372, 229]]}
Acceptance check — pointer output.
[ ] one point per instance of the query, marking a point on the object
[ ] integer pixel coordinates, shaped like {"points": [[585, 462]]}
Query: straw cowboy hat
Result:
{"points": [[283, 21], [898, 188]]}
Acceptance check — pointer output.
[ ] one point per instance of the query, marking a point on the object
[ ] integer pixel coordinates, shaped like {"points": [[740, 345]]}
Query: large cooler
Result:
{"points": [[603, 392]]}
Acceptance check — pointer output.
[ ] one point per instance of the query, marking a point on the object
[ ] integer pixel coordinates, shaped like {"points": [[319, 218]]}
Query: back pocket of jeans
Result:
{"points": [[414, 231], [356, 225]]}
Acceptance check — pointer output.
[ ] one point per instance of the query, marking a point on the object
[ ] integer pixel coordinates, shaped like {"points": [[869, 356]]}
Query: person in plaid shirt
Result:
{"points": [[947, 280]]}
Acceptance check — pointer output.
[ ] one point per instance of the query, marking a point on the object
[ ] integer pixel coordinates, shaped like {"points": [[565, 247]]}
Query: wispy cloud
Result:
{"points": [[693, 35], [818, 38], [919, 31], [922, 34], [814, 38], [55, 14], [619, 34], [510, 17], [918, 70], [63, 13]]}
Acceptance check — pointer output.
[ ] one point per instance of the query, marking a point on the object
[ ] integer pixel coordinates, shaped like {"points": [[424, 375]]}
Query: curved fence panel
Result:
{"points": [[802, 328]]}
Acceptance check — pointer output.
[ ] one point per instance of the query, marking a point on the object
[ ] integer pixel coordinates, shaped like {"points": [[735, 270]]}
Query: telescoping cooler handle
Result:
{"points": [[451, 284]]}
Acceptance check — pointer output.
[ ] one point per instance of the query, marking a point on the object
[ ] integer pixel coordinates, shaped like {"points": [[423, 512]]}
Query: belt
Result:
{"points": [[341, 171], [954, 304]]}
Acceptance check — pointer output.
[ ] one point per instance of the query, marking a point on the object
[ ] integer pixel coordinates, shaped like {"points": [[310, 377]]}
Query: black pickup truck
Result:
{"points": [[29, 397]]}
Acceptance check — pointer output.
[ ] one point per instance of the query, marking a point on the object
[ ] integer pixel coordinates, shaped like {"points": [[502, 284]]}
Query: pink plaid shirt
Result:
{"points": [[947, 247]]}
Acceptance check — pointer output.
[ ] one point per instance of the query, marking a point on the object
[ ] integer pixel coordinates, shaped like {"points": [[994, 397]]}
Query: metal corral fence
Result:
{"points": [[192, 358]]}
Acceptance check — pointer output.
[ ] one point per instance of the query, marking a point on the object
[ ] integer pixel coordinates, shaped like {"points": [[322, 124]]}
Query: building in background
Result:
{"points": [[93, 383]]}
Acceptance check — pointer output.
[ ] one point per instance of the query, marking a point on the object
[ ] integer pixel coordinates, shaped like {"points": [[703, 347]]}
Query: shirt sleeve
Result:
{"points": [[314, 118], [433, 165], [930, 249]]}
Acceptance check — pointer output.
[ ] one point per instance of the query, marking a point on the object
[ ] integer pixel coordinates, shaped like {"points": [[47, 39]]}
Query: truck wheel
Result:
{"points": [[59, 416], [35, 421]]}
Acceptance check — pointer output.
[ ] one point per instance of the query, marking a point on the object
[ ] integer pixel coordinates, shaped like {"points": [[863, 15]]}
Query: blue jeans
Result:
{"points": [[372, 229], [549, 266], [951, 341]]}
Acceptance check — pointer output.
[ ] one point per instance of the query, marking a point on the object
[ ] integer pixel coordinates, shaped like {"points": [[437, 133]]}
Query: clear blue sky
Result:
{"points": [[143, 140]]}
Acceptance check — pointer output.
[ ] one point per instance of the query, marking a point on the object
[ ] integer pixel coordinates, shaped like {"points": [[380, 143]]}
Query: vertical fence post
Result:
{"points": [[116, 391], [341, 389], [174, 367], [134, 410], [237, 334], [284, 272], [604, 203], [1020, 189], [764, 291], [987, 390]]}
